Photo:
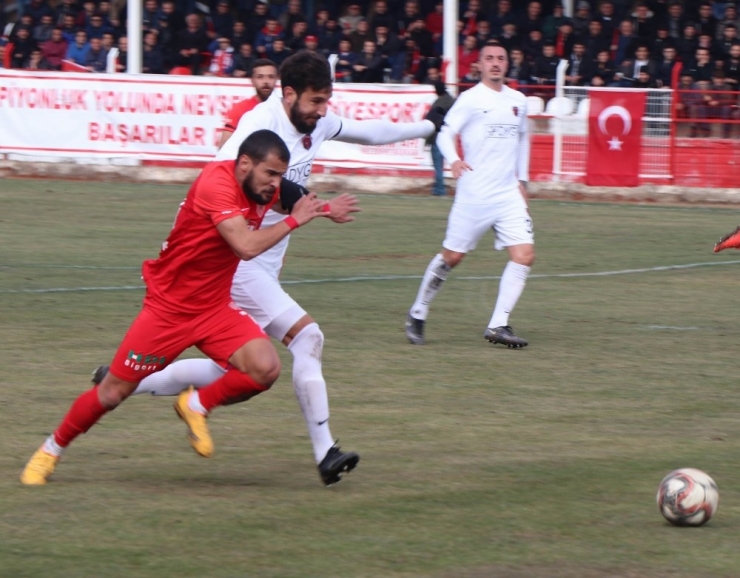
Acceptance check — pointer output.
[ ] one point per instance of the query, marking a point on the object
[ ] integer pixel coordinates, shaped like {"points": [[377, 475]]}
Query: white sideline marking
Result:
{"points": [[670, 327], [406, 277]]}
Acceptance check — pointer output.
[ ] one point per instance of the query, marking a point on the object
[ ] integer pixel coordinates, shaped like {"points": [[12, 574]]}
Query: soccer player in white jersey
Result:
{"points": [[301, 118], [491, 121]]}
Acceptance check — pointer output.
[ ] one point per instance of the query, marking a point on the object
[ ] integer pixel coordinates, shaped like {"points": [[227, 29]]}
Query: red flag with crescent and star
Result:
{"points": [[614, 137]]}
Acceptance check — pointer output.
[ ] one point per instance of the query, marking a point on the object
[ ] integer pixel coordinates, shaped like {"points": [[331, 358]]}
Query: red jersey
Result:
{"points": [[239, 110], [195, 268]]}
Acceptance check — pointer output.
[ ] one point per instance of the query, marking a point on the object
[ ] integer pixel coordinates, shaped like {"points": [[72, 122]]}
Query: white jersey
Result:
{"points": [[492, 127], [271, 115]]}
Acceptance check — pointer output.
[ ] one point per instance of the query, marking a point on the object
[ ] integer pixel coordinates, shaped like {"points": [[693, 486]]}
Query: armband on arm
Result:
{"points": [[290, 194]]}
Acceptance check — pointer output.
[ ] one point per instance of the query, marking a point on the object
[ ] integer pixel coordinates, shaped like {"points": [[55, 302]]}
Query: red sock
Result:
{"points": [[84, 413], [233, 387]]}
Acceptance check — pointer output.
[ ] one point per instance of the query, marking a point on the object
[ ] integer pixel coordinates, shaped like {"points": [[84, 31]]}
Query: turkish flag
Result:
{"points": [[614, 137]]}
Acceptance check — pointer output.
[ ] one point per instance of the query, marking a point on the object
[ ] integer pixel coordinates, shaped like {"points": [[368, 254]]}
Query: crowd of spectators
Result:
{"points": [[606, 42]]}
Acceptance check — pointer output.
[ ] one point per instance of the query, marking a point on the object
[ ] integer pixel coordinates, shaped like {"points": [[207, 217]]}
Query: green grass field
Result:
{"points": [[477, 461]]}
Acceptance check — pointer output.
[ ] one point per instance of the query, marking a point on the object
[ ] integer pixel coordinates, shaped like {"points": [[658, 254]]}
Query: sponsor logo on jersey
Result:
{"points": [[501, 130], [299, 173], [307, 142], [515, 110], [144, 361]]}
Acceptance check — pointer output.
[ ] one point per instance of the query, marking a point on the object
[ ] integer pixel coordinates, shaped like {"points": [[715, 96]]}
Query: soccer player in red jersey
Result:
{"points": [[188, 300], [264, 77]]}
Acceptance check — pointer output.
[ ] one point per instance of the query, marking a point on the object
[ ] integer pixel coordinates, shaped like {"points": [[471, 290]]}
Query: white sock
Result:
{"points": [[310, 387], [180, 375], [434, 276], [52, 447], [513, 280], [194, 403]]}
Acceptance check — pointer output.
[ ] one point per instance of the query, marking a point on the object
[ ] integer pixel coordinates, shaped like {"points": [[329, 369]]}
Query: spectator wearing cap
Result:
{"points": [[501, 16], [551, 24], [346, 61], [223, 21], [382, 17], [730, 17], [77, 51], [644, 80], [55, 49], [311, 43], [706, 23], [349, 21], [360, 36], [581, 18], [532, 19]]}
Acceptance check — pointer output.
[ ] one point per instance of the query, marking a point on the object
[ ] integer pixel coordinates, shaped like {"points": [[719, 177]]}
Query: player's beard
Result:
{"points": [[263, 93], [248, 188], [299, 120]]}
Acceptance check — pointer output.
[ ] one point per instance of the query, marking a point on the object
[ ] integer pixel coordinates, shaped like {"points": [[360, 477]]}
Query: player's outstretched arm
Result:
{"points": [[339, 209], [379, 132], [248, 244]]}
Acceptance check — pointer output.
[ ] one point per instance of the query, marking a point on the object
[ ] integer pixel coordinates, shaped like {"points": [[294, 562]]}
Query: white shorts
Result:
{"points": [[507, 217], [259, 293]]}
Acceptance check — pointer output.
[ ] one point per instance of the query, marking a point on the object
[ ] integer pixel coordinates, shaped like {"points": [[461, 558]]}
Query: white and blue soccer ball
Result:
{"points": [[687, 497]]}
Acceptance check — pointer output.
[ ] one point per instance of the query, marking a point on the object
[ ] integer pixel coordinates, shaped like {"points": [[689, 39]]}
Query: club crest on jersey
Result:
{"points": [[307, 142], [515, 110]]}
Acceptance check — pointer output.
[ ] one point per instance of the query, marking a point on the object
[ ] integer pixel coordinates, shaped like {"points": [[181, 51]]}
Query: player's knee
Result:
{"points": [[310, 339], [524, 255], [265, 371], [112, 391], [452, 258]]}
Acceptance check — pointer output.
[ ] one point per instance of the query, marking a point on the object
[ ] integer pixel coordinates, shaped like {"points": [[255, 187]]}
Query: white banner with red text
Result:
{"points": [[108, 118]]}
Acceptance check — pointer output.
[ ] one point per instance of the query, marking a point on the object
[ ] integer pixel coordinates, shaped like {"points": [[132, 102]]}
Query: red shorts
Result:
{"points": [[156, 338]]}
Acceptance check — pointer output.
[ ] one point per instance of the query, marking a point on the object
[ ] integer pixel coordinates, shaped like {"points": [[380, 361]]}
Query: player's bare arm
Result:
{"points": [[339, 209], [225, 135], [247, 244]]}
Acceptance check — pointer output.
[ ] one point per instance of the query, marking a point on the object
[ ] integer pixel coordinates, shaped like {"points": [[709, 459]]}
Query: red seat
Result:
{"points": [[181, 70]]}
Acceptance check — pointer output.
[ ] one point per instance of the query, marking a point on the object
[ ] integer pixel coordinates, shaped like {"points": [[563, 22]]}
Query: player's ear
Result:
{"points": [[244, 162], [289, 95]]}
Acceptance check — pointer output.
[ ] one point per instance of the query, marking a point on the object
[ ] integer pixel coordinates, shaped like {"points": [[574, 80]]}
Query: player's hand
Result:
{"points": [[436, 116], [307, 209], [459, 167], [342, 207]]}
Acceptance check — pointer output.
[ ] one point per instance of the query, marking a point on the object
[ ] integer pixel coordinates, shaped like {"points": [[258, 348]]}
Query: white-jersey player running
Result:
{"points": [[302, 119], [491, 121]]}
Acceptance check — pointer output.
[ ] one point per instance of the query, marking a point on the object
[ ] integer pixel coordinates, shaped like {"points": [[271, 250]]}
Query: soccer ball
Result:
{"points": [[687, 497]]}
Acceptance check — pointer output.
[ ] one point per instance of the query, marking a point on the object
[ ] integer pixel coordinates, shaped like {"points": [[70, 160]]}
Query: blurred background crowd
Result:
{"points": [[658, 43]]}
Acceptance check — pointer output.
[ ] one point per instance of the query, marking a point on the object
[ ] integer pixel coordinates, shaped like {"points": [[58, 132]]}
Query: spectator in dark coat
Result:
{"points": [[190, 43], [369, 65], [22, 47], [97, 56], [546, 65], [152, 60], [346, 62]]}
